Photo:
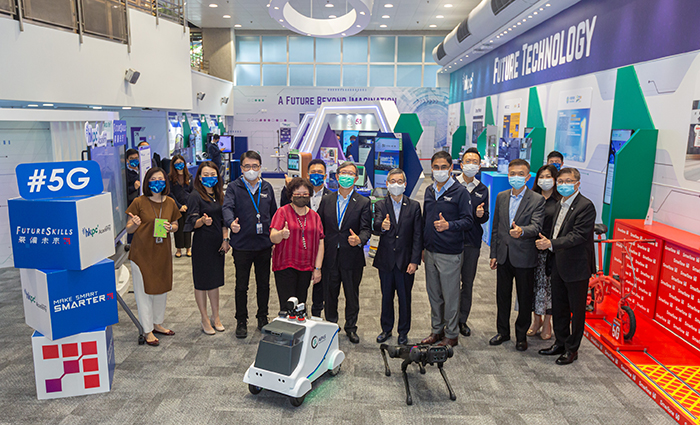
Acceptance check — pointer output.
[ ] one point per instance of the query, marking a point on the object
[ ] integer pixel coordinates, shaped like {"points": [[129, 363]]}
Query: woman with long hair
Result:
{"points": [[545, 185], [209, 243], [180, 189], [152, 217]]}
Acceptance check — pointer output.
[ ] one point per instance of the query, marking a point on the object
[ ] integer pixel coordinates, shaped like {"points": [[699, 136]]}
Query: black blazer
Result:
{"points": [[573, 247], [357, 217], [401, 244]]}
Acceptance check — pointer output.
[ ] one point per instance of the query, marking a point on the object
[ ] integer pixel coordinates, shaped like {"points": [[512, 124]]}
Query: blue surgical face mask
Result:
{"points": [[317, 179], [566, 189], [156, 186], [516, 182], [134, 163], [557, 165], [180, 166], [209, 181]]}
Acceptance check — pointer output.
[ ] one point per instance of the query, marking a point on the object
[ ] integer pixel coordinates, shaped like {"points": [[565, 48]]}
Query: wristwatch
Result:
{"points": [[318, 268], [227, 240]]}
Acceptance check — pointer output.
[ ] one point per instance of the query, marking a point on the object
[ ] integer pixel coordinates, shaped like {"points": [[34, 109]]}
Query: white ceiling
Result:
{"points": [[406, 15]]}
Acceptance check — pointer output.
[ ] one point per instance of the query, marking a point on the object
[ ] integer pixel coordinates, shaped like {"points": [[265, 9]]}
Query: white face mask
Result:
{"points": [[396, 189], [441, 176], [251, 175], [545, 184], [470, 170]]}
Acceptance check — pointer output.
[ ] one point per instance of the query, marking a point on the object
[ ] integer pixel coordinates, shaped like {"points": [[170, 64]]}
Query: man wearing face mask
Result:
{"points": [[447, 214], [398, 222], [471, 164], [571, 245], [517, 221], [317, 177], [346, 218], [133, 183], [555, 158], [249, 205]]}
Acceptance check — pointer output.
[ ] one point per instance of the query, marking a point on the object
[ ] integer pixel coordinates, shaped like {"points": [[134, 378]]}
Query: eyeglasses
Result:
{"points": [[247, 167], [347, 173], [396, 181], [300, 195], [569, 181]]}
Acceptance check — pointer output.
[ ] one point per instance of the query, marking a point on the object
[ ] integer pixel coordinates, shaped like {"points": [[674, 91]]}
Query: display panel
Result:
{"points": [[113, 170], [226, 143], [387, 156], [618, 139], [361, 176], [293, 162], [510, 149], [347, 136]]}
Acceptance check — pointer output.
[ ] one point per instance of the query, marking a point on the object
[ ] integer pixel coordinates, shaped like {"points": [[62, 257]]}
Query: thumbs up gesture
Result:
{"points": [[441, 225], [235, 227], [516, 231], [206, 219], [353, 239], [135, 219], [480, 210], [285, 231], [386, 224], [543, 243]]}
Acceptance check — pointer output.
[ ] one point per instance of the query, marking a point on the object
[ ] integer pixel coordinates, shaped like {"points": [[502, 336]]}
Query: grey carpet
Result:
{"points": [[192, 378]]}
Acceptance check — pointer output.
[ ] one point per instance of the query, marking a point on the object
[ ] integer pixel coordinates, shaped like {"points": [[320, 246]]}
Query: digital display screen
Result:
{"points": [[361, 175], [225, 143], [387, 156], [113, 170], [618, 139], [293, 162]]}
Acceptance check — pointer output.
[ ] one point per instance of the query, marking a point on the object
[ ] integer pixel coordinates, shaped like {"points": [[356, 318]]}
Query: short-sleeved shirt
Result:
{"points": [[154, 259], [291, 252]]}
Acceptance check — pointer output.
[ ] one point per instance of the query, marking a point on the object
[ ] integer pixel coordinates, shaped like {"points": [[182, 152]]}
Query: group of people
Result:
{"points": [[542, 239]]}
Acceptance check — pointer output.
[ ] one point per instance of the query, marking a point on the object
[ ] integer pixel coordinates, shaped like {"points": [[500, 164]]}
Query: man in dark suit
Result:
{"points": [[317, 176], [398, 222], [346, 218], [517, 221], [572, 249]]}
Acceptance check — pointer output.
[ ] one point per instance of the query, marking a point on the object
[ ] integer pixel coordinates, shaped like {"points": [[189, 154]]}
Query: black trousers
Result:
{"points": [[332, 278], [568, 309], [399, 282], [243, 261], [317, 298], [182, 239], [524, 288], [292, 283], [469, 264]]}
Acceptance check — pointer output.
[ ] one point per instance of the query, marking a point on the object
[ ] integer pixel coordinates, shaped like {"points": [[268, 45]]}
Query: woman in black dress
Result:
{"points": [[180, 189], [209, 244], [545, 185]]}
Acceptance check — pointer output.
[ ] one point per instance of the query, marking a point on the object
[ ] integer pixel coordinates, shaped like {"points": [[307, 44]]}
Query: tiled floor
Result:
{"points": [[192, 378]]}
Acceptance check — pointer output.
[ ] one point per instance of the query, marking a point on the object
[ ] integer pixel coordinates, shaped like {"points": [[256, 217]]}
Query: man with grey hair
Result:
{"points": [[346, 219], [399, 224]]}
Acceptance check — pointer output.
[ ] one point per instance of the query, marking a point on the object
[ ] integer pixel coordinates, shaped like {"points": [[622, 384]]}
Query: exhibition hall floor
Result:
{"points": [[193, 378]]}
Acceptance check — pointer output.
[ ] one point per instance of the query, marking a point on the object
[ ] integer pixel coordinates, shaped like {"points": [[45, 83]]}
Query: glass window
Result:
{"points": [[382, 48], [327, 75], [274, 49], [301, 49], [354, 75], [327, 50], [430, 43], [410, 49], [408, 75], [247, 75], [430, 75], [381, 76], [248, 49], [301, 75], [355, 49], [274, 75]]}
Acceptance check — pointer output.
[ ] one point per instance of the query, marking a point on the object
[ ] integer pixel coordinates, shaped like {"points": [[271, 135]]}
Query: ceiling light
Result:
{"points": [[534, 13], [433, 26], [498, 36], [358, 26], [362, 13], [329, 4], [541, 8], [386, 16], [448, 5], [388, 5], [227, 16], [530, 17], [343, 34], [382, 26], [33, 105], [332, 16], [237, 26], [519, 23], [213, 5], [547, 5], [524, 20], [47, 104], [126, 107], [461, 60], [490, 41], [96, 107], [276, 8], [439, 16], [281, 20]]}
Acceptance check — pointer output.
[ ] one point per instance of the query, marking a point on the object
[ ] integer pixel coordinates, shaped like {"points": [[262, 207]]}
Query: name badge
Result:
{"points": [[259, 228]]}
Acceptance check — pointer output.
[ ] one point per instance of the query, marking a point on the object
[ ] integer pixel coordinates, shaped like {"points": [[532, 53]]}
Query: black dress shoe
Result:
{"points": [[242, 329], [464, 329], [567, 358], [262, 321], [521, 345], [553, 350], [382, 337], [352, 336], [403, 340], [498, 339]]}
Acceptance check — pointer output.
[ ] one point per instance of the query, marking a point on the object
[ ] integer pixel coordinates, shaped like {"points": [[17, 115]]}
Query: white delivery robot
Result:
{"points": [[294, 352]]}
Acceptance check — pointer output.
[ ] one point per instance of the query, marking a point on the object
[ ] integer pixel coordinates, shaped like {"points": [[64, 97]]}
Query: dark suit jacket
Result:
{"points": [[401, 244], [573, 247], [284, 198], [522, 251], [357, 217]]}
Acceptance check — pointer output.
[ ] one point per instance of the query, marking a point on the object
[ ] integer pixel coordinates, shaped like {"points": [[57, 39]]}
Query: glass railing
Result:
{"points": [[105, 18], [7, 7]]}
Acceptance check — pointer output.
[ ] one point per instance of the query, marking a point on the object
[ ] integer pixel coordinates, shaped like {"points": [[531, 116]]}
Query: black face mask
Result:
{"points": [[300, 201]]}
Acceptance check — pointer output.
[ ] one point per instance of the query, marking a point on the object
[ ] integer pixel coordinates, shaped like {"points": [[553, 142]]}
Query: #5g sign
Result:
{"points": [[58, 179]]}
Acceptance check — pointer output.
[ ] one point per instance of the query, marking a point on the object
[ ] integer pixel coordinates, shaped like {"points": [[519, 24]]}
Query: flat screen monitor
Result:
{"points": [[113, 171], [293, 162], [361, 176], [387, 156], [618, 139], [510, 149], [226, 143], [349, 136]]}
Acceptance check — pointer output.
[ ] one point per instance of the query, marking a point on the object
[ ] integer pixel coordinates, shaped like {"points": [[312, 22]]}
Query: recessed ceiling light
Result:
{"points": [[519, 23], [213, 5], [268, 5], [237, 26], [386, 16], [541, 8], [332, 16], [281, 20], [448, 5], [439, 16], [388, 5], [534, 13], [524, 20], [498, 36], [461, 60], [343, 34], [96, 107], [126, 107], [277, 8], [529, 17], [47, 104], [547, 5], [358, 26], [33, 105], [467, 56], [328, 4], [432, 26], [227, 16], [382, 26], [362, 13], [490, 41]]}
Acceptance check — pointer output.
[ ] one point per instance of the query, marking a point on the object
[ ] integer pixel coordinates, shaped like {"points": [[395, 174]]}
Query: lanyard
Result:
{"points": [[303, 227], [257, 210], [341, 214], [161, 209]]}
